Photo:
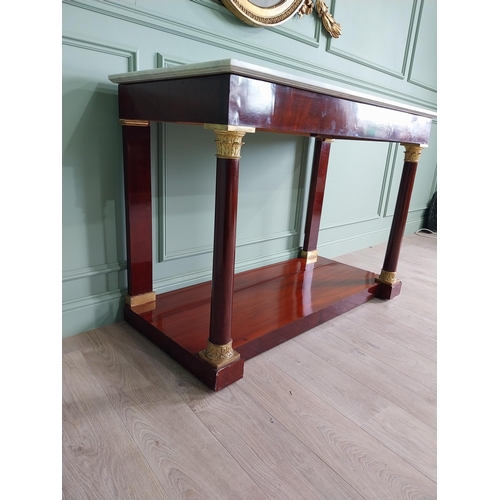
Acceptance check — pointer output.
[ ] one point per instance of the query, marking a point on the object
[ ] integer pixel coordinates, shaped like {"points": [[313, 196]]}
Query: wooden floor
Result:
{"points": [[346, 410]]}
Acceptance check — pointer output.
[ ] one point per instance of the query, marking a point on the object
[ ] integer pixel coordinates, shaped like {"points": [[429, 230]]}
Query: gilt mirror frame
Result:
{"points": [[263, 12]]}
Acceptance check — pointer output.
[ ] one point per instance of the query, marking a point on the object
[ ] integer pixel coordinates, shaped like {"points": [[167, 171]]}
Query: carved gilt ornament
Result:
{"points": [[273, 12]]}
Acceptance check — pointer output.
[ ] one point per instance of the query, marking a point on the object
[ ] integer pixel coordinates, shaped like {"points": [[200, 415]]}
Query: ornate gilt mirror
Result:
{"points": [[273, 12], [263, 12]]}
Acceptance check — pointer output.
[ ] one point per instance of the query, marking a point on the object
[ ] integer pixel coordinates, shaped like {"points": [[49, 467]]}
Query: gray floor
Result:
{"points": [[346, 410]]}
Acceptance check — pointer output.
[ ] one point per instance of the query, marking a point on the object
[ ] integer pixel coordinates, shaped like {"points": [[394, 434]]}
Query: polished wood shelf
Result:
{"points": [[271, 304]]}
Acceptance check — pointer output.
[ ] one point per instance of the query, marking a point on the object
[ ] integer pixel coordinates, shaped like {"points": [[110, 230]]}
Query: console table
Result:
{"points": [[212, 328]]}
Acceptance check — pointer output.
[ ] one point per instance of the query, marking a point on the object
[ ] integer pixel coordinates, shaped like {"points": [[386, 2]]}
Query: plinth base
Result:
{"points": [[271, 304], [387, 291]]}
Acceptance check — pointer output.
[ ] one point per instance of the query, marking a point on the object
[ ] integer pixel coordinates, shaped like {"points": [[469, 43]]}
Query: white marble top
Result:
{"points": [[261, 73]]}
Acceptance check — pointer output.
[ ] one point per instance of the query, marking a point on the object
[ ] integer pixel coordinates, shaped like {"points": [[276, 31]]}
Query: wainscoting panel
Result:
{"points": [[94, 258], [388, 26], [271, 193], [423, 67]]}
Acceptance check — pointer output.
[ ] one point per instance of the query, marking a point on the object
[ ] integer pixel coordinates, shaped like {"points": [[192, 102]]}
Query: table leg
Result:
{"points": [[315, 201], [219, 351], [389, 285], [137, 164]]}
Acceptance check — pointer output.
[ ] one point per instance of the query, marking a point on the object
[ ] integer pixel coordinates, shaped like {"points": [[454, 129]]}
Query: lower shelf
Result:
{"points": [[271, 304]]}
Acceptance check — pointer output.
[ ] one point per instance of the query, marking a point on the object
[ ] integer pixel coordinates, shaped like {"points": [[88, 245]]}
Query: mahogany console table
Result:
{"points": [[212, 328]]}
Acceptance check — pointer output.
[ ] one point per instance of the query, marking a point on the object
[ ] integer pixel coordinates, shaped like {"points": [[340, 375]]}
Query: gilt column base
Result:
{"points": [[219, 355], [388, 285]]}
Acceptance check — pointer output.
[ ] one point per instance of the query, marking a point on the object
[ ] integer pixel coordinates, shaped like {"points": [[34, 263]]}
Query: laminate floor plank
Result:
{"points": [[406, 436], [187, 460], [422, 307], [340, 390], [374, 320], [174, 375], [417, 258], [100, 460], [421, 289], [391, 384], [363, 461], [76, 343], [122, 382], [282, 466], [370, 262], [139, 355], [426, 241], [415, 264], [400, 358], [345, 393], [125, 372], [388, 311], [253, 384], [423, 286]]}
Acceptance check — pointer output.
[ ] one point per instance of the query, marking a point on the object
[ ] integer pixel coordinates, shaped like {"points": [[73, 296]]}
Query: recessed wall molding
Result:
{"points": [[131, 55], [163, 62], [183, 280], [94, 294], [391, 185], [349, 223], [91, 300], [389, 162], [192, 252], [162, 216], [383, 233], [88, 272], [312, 40], [346, 244], [412, 76], [424, 85], [369, 64], [332, 48], [137, 16], [384, 191]]}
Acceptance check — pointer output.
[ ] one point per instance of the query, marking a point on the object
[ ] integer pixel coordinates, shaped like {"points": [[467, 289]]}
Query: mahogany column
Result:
{"points": [[137, 164], [389, 285], [219, 351], [316, 195]]}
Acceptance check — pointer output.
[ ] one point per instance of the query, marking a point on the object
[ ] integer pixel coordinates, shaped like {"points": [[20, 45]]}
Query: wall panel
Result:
{"points": [[93, 224], [388, 26], [387, 48]]}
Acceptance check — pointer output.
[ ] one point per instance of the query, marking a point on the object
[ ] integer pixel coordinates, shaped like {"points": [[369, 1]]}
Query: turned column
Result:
{"points": [[137, 165], [219, 351], [315, 200], [389, 285]]}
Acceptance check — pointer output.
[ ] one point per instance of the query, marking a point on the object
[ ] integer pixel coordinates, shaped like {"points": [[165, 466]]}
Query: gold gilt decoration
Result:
{"points": [[310, 256], [228, 144], [229, 139], [268, 13], [412, 152], [134, 123], [387, 277], [139, 300], [332, 26], [306, 9], [219, 355]]}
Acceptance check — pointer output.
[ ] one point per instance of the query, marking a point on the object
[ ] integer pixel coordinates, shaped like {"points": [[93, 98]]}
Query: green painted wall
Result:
{"points": [[387, 48]]}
